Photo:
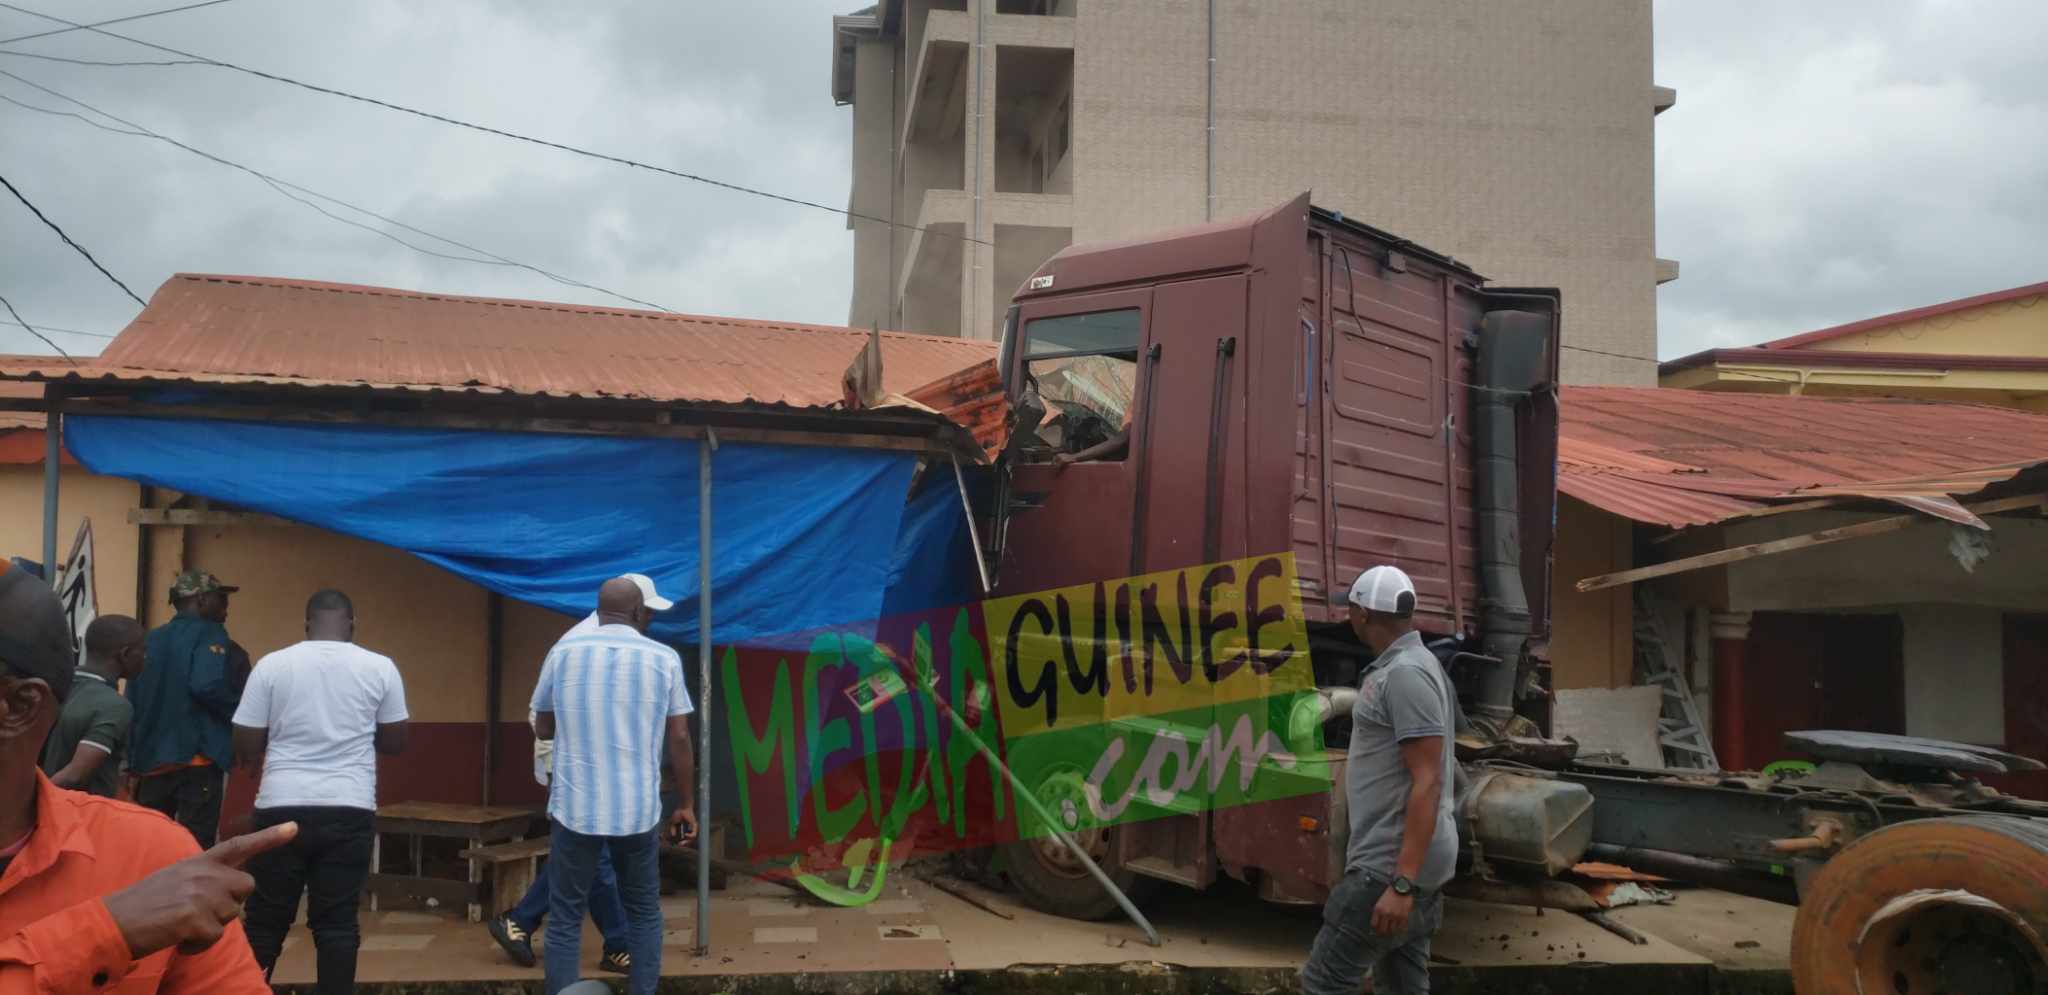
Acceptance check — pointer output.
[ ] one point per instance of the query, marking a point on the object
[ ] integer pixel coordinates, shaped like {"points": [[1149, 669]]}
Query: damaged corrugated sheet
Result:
{"points": [[972, 398], [1678, 458], [236, 329]]}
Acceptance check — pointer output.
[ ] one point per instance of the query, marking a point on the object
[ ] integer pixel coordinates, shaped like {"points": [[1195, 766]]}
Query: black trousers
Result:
{"points": [[189, 795], [328, 862]]}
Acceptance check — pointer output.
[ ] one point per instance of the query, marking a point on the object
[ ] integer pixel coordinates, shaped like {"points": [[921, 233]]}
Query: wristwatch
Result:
{"points": [[1402, 886]]}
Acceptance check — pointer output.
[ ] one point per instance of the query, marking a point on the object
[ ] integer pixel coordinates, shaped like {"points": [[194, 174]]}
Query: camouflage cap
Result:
{"points": [[193, 582]]}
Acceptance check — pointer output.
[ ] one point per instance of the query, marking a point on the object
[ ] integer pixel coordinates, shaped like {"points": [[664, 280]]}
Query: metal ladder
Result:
{"points": [[1679, 729]]}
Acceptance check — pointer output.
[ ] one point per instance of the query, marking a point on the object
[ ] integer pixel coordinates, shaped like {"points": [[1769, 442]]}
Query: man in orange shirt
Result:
{"points": [[99, 895]]}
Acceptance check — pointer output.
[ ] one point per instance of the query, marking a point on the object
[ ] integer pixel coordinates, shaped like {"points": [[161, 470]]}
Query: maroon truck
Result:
{"points": [[1302, 382]]}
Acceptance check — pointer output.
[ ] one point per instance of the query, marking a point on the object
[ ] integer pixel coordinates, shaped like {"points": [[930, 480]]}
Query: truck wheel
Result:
{"points": [[1048, 875], [1939, 905]]}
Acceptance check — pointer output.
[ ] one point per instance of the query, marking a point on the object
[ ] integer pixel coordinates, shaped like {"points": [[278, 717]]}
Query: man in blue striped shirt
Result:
{"points": [[604, 698]]}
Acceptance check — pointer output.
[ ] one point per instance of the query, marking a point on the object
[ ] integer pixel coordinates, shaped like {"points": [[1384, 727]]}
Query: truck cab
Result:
{"points": [[1292, 383]]}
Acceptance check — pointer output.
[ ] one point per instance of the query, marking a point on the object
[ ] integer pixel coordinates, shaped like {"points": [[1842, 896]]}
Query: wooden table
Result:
{"points": [[476, 825]]}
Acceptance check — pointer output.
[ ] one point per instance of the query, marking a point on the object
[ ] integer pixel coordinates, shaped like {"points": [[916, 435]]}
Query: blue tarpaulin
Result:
{"points": [[803, 537]]}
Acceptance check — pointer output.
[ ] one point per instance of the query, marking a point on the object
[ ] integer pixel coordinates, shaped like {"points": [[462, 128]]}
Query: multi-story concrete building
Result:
{"points": [[1515, 135]]}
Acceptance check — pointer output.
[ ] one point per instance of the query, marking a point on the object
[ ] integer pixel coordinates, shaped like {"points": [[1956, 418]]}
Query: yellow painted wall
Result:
{"points": [[105, 500], [1592, 642], [428, 621], [530, 632], [2008, 328]]}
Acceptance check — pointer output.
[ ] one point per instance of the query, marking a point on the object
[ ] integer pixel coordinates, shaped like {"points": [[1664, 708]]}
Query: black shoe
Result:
{"points": [[514, 938], [617, 962]]}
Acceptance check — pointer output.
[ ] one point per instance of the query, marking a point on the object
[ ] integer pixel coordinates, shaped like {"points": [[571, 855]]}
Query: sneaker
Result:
{"points": [[514, 938], [617, 962]]}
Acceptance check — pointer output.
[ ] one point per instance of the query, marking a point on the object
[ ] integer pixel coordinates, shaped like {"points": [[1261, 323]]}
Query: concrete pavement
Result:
{"points": [[920, 939]]}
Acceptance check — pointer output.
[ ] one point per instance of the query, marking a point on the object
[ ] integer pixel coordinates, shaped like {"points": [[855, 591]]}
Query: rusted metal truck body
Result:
{"points": [[1294, 382], [1299, 382]]}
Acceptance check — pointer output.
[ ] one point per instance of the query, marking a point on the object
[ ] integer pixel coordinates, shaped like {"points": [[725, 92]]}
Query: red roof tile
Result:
{"points": [[1679, 457], [229, 329]]}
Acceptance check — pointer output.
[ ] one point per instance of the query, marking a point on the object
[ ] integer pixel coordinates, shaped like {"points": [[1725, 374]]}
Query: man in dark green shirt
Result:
{"points": [[86, 747]]}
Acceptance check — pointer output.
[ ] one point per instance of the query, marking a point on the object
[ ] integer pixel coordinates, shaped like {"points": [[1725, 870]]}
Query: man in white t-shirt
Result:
{"points": [[314, 717]]}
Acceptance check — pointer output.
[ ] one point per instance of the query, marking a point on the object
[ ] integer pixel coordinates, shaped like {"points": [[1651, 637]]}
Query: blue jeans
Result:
{"points": [[1347, 948], [572, 869], [605, 909]]}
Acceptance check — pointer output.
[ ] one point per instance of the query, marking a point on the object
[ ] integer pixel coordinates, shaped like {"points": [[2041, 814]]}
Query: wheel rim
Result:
{"points": [[1072, 802], [1935, 940]]}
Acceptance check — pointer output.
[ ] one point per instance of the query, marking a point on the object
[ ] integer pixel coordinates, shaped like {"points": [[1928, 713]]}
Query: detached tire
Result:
{"points": [[1956, 906]]}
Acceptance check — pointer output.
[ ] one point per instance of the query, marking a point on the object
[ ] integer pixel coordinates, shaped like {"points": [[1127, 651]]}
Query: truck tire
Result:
{"points": [[1938, 905], [1052, 881], [1048, 875]]}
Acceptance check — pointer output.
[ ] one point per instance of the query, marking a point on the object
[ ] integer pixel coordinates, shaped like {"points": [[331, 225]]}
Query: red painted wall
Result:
{"points": [[443, 763]]}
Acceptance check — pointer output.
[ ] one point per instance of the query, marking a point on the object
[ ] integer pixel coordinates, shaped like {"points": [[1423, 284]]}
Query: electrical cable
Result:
{"points": [[488, 130], [37, 334], [65, 331], [284, 188], [101, 24], [69, 241]]}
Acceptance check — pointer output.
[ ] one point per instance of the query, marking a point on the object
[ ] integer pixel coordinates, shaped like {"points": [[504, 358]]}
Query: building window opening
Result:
{"points": [[1037, 8]]}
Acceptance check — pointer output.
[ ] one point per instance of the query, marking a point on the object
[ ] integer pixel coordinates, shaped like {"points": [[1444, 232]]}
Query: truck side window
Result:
{"points": [[1085, 368]]}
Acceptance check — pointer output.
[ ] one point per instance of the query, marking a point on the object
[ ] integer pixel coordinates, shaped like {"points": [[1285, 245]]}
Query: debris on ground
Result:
{"points": [[1613, 872]]}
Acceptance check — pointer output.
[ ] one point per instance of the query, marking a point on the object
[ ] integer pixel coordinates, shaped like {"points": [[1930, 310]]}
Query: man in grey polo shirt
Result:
{"points": [[1397, 780]]}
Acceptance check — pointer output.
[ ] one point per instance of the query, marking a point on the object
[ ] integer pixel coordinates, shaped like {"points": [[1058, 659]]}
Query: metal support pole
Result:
{"points": [[973, 534], [1027, 797], [704, 450], [53, 449], [494, 684]]}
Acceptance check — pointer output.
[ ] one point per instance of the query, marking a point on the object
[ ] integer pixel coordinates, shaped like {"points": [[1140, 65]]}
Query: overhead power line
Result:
{"points": [[284, 188], [37, 334], [1616, 355], [487, 129], [62, 331], [69, 241], [117, 20]]}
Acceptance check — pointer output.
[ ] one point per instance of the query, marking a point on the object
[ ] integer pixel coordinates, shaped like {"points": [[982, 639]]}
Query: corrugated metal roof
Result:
{"points": [[972, 398], [1679, 458], [11, 420], [239, 329]]}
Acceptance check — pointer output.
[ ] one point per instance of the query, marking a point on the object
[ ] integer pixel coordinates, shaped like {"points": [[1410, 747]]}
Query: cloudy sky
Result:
{"points": [[1826, 161]]}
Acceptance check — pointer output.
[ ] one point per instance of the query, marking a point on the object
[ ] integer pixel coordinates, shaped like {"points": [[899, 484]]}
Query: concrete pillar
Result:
{"points": [[977, 258], [1730, 631]]}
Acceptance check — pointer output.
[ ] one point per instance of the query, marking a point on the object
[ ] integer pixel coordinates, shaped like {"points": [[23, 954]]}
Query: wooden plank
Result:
{"points": [[553, 426], [190, 516], [515, 850], [446, 812], [1737, 554]]}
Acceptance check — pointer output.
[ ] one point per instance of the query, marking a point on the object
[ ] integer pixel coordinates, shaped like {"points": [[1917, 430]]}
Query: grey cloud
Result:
{"points": [[1830, 161], [726, 95]]}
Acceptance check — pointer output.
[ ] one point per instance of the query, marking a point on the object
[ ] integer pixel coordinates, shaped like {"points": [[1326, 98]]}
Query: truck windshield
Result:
{"points": [[1085, 368]]}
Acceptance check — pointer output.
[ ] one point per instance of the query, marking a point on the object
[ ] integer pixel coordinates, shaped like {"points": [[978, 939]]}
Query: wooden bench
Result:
{"points": [[512, 868], [474, 825]]}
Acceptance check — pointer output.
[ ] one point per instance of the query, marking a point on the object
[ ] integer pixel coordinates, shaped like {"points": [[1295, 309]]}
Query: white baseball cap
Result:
{"points": [[1384, 589], [648, 595]]}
